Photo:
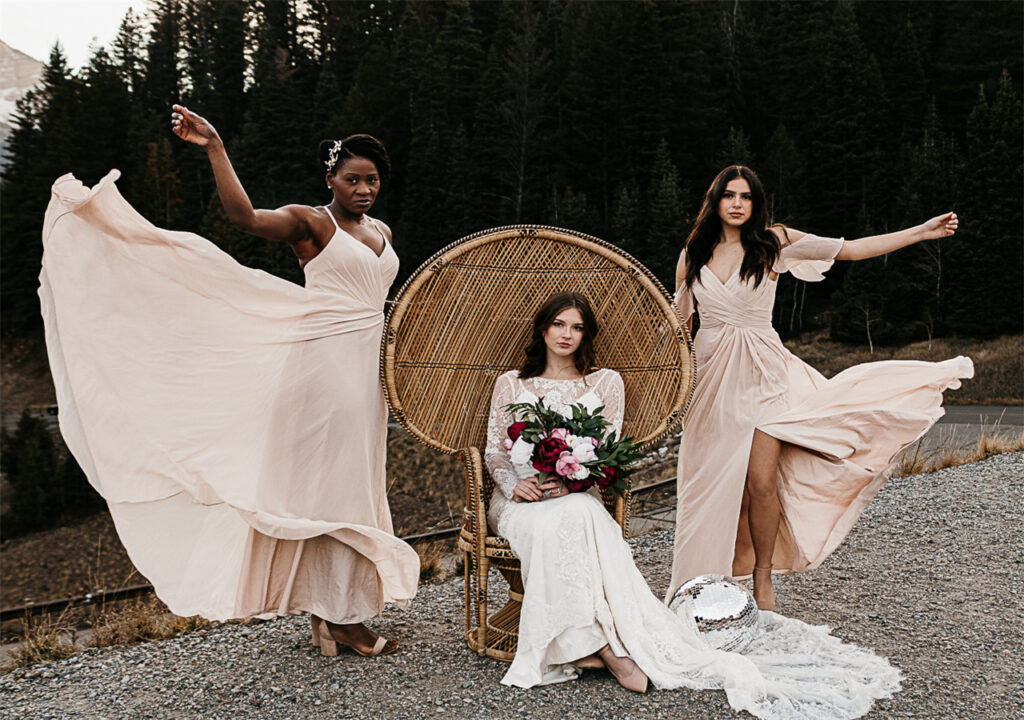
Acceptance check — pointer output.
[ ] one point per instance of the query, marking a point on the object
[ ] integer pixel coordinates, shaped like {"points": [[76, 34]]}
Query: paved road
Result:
{"points": [[984, 415]]}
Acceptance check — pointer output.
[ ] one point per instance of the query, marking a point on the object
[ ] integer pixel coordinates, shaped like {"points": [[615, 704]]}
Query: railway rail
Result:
{"points": [[647, 510]]}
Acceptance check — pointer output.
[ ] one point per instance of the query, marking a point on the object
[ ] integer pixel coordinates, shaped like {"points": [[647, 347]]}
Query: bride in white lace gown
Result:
{"points": [[586, 605]]}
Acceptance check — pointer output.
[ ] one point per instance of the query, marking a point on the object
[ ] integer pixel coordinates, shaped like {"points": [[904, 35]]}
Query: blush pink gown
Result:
{"points": [[233, 421], [839, 434]]}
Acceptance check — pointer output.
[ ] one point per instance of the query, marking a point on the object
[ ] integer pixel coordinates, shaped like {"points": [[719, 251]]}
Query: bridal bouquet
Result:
{"points": [[570, 444]]}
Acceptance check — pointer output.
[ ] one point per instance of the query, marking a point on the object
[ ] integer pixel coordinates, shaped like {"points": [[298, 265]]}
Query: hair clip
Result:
{"points": [[332, 155]]}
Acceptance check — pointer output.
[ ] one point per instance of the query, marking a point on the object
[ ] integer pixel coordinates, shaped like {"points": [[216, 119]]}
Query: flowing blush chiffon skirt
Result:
{"points": [[233, 421]]}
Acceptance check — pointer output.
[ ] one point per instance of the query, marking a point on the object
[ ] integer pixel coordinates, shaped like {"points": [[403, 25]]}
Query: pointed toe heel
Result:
{"points": [[625, 670]]}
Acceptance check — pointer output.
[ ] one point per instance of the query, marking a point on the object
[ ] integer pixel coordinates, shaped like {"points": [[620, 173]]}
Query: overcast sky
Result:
{"points": [[33, 26]]}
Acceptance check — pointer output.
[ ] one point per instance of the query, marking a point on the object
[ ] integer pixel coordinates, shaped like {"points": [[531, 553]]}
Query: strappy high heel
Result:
{"points": [[329, 646], [625, 670]]}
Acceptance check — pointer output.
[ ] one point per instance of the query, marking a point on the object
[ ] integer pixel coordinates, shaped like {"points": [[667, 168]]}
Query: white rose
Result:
{"points": [[584, 452], [521, 452], [582, 474]]}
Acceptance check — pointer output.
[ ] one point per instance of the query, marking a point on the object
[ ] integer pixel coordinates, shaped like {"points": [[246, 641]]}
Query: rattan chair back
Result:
{"points": [[465, 316]]}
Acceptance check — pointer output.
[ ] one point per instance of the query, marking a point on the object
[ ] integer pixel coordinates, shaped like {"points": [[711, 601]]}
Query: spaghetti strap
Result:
{"points": [[331, 216]]}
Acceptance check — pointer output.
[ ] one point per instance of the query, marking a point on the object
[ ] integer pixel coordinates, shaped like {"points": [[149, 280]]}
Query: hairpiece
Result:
{"points": [[332, 155]]}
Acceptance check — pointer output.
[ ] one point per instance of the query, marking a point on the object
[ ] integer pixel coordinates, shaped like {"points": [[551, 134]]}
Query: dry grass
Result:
{"points": [[949, 454], [46, 639], [998, 363], [431, 555], [439, 560], [141, 620]]}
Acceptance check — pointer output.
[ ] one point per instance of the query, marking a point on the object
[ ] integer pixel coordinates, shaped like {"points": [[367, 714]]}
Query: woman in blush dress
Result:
{"points": [[234, 421], [585, 603], [776, 462]]}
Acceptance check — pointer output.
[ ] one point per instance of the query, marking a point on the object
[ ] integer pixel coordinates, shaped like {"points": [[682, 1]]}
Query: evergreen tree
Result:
{"points": [[987, 285], [627, 221], [29, 463], [846, 131], [735, 149], [667, 226], [44, 144]]}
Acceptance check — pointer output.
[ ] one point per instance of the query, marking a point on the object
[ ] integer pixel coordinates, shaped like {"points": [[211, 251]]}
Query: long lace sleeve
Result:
{"points": [[495, 455], [612, 392]]}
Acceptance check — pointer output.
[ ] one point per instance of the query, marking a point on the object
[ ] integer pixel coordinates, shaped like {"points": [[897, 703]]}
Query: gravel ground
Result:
{"points": [[930, 577]]}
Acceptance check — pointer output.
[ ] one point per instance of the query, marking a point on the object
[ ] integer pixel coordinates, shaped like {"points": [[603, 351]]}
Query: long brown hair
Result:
{"points": [[537, 352], [761, 246]]}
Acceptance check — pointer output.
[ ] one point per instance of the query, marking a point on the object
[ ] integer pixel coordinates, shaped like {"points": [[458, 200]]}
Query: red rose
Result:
{"points": [[516, 429], [577, 485], [547, 452], [609, 476]]}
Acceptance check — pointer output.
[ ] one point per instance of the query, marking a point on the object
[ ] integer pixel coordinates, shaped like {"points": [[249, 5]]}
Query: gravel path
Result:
{"points": [[930, 577]]}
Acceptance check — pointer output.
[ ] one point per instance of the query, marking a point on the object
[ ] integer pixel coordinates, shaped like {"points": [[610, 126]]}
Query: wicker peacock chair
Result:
{"points": [[463, 319]]}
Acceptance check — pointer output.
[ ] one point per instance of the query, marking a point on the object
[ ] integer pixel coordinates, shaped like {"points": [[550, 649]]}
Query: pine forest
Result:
{"points": [[606, 117]]}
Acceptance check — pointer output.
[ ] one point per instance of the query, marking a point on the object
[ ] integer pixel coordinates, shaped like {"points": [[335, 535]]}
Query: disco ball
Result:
{"points": [[723, 610]]}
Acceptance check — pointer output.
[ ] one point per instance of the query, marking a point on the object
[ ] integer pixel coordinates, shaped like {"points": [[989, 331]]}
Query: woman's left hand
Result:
{"points": [[940, 226]]}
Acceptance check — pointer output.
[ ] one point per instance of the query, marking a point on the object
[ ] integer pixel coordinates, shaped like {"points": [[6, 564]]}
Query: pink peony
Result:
{"points": [[560, 433], [567, 464]]}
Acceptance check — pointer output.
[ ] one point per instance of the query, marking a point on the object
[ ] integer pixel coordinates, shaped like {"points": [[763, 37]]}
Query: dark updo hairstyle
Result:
{"points": [[364, 146], [536, 351], [761, 246]]}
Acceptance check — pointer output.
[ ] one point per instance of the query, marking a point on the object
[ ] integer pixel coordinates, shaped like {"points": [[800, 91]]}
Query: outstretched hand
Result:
{"points": [[191, 127], [940, 226]]}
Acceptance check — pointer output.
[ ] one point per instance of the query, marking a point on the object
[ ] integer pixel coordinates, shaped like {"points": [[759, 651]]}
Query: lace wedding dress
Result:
{"points": [[583, 591]]}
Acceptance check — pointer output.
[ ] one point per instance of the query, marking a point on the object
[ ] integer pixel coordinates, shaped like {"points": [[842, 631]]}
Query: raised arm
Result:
{"points": [[290, 223], [868, 247], [938, 227]]}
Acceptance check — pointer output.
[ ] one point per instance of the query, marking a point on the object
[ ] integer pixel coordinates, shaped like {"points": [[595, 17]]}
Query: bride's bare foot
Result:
{"points": [[590, 662], [627, 672], [355, 636], [764, 594]]}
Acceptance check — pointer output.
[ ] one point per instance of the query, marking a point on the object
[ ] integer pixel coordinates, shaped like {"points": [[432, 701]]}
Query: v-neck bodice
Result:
{"points": [[351, 269]]}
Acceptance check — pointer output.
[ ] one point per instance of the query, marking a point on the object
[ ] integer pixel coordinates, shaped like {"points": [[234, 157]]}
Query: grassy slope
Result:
{"points": [[998, 363]]}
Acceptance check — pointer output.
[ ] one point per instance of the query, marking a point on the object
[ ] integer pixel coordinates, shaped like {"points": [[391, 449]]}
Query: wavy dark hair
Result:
{"points": [[364, 146], [761, 246], [536, 351]]}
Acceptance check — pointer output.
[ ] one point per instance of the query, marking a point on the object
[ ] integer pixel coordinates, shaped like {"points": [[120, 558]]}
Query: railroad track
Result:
{"points": [[647, 509]]}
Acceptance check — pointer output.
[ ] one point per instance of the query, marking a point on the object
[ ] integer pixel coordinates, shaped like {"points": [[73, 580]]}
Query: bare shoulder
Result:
{"points": [[786, 235], [306, 216]]}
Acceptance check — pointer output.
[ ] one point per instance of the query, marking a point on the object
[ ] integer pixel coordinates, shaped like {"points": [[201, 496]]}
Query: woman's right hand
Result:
{"points": [[531, 489], [191, 127]]}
